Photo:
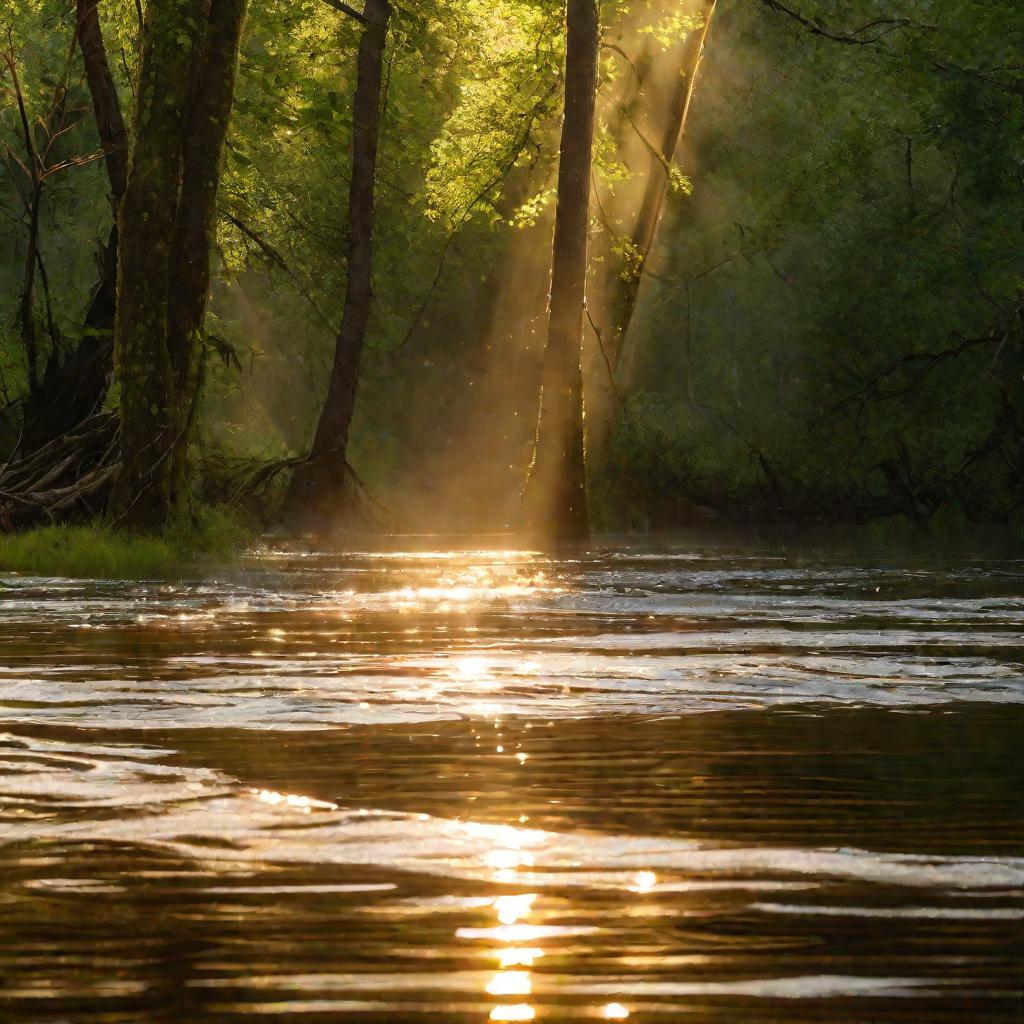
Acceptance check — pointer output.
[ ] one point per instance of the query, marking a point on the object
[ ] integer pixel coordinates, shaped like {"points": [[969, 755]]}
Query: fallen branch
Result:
{"points": [[66, 479]]}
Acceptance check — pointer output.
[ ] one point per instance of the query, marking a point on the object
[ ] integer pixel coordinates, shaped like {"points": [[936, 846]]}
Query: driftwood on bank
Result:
{"points": [[67, 478]]}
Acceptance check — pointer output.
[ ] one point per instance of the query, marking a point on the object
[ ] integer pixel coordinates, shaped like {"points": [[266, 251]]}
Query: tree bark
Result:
{"points": [[171, 38], [105, 104], [74, 388], [166, 224], [213, 92], [316, 491], [92, 363], [555, 498], [26, 306]]}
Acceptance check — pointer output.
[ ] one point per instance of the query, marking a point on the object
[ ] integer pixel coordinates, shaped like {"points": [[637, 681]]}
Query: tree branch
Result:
{"points": [[340, 5], [275, 258], [879, 28]]}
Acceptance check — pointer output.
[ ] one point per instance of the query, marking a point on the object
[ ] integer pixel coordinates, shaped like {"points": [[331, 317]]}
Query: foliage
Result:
{"points": [[829, 323], [36, 39], [833, 323]]}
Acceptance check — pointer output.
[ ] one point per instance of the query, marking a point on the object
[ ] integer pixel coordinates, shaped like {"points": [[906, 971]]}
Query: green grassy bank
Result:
{"points": [[99, 551]]}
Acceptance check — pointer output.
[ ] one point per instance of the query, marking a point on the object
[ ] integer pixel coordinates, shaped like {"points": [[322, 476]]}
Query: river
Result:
{"points": [[698, 781]]}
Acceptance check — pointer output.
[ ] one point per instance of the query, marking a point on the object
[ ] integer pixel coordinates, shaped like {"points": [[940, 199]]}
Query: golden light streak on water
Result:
{"points": [[305, 804], [614, 1011], [510, 983], [520, 1011], [473, 670], [644, 881], [511, 910], [519, 956]]}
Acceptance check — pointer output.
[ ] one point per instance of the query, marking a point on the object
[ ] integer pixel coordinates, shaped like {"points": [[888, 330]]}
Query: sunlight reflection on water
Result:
{"points": [[502, 786]]}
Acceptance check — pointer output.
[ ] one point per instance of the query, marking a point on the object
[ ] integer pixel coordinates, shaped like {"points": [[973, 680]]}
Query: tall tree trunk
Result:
{"points": [[75, 387], [105, 104], [172, 35], [555, 498], [92, 363], [164, 222], [27, 304], [315, 494], [620, 303], [206, 130]]}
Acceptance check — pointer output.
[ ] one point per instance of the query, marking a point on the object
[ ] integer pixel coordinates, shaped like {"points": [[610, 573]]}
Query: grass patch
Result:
{"points": [[98, 551]]}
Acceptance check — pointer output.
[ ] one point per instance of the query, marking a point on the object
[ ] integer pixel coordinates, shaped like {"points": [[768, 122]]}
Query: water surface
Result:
{"points": [[683, 783]]}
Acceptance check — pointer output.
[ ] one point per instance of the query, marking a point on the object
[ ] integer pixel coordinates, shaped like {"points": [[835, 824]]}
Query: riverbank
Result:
{"points": [[101, 551]]}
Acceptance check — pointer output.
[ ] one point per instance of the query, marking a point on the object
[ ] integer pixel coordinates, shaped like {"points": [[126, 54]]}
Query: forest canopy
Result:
{"points": [[328, 279]]}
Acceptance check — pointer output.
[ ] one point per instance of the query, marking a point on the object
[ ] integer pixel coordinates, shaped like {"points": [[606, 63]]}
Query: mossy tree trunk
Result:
{"points": [[184, 95], [555, 499], [195, 230], [316, 493]]}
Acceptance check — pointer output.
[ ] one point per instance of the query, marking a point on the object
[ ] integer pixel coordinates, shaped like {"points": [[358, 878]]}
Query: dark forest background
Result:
{"points": [[829, 324]]}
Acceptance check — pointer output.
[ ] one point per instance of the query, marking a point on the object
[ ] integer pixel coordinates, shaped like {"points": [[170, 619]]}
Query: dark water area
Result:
{"points": [[690, 782]]}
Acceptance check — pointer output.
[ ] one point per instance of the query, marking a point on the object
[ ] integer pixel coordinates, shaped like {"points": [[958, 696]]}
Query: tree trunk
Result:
{"points": [[74, 388], [105, 104], [186, 72], [315, 494], [91, 365], [206, 129], [27, 304], [555, 498], [624, 290]]}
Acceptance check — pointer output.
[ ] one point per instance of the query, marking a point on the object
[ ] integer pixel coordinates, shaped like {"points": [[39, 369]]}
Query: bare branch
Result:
{"points": [[1014, 88], [277, 259], [30, 145], [74, 161], [866, 35]]}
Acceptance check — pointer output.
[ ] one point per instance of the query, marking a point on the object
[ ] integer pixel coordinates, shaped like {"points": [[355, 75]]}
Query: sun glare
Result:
{"points": [[521, 1011], [644, 881], [614, 1011]]}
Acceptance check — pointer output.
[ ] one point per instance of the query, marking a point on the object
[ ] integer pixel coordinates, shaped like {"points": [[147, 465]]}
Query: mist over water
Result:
{"points": [[656, 783]]}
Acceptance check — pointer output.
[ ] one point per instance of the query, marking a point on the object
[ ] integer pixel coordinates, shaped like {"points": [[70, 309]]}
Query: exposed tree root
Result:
{"points": [[66, 479], [361, 505]]}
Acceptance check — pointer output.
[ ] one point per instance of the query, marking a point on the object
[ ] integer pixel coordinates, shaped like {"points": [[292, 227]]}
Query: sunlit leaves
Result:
{"points": [[527, 214], [630, 257], [673, 27], [503, 106], [678, 182]]}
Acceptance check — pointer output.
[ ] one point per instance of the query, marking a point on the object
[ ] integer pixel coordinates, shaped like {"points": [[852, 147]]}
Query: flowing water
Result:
{"points": [[694, 783]]}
